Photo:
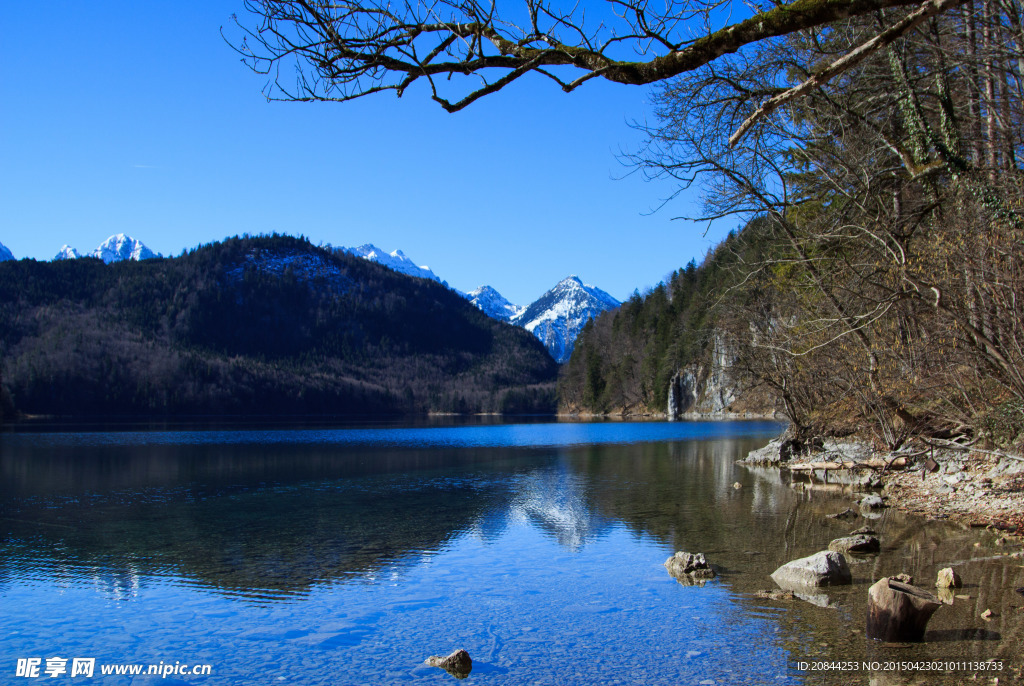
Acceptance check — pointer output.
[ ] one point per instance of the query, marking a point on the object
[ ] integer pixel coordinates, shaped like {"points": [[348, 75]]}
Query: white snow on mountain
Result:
{"points": [[67, 253], [558, 316], [493, 303], [122, 247], [396, 261], [5, 254]]}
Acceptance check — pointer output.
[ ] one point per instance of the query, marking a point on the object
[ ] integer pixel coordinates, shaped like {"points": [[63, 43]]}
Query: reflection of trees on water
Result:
{"points": [[246, 520], [257, 522], [258, 519]]}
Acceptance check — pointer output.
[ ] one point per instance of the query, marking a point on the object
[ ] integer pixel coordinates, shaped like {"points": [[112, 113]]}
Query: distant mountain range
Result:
{"points": [[395, 261], [257, 325], [117, 248], [555, 318]]}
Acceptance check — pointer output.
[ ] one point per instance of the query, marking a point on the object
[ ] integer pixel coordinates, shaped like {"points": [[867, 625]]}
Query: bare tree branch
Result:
{"points": [[346, 49], [887, 37]]}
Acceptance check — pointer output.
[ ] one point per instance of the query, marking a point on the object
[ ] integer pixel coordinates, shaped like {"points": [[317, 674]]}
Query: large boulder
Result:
{"points": [[827, 568], [768, 455]]}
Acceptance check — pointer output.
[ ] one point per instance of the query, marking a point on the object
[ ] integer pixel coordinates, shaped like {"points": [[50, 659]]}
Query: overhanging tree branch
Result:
{"points": [[342, 50]]}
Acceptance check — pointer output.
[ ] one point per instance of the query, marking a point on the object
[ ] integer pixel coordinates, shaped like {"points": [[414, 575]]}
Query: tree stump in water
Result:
{"points": [[899, 612]]}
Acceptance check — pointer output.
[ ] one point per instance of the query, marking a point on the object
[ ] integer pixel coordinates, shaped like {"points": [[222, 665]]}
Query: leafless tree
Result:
{"points": [[894, 192], [465, 49]]}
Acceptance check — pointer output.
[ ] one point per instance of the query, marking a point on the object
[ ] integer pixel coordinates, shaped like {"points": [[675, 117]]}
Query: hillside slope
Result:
{"points": [[255, 325]]}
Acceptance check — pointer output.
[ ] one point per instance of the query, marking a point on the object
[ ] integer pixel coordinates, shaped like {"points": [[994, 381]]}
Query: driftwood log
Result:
{"points": [[898, 463], [899, 612]]}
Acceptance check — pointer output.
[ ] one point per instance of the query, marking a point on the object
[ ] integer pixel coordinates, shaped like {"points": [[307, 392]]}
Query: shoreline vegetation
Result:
{"points": [[873, 291]]}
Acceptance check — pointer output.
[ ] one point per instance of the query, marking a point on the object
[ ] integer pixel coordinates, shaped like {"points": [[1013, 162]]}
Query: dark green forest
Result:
{"points": [[877, 286], [625, 358], [255, 325]]}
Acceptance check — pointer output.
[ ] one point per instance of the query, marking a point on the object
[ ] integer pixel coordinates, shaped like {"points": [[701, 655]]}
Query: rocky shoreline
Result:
{"points": [[977, 488]]}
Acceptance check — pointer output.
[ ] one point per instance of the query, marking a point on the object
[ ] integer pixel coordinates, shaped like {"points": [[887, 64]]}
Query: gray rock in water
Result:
{"points": [[827, 568], [458, 664], [845, 514], [872, 502], [948, 579], [861, 543], [903, 577], [768, 455], [689, 568], [866, 530]]}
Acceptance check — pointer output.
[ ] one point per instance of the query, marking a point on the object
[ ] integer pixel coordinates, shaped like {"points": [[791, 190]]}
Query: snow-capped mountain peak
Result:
{"points": [[122, 247], [5, 254], [396, 261], [66, 253], [558, 316], [493, 303]]}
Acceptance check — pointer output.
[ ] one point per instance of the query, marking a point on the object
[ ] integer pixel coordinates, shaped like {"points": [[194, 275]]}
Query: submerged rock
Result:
{"points": [[458, 664], [861, 543], [827, 568], [689, 568], [778, 594], [845, 514]]}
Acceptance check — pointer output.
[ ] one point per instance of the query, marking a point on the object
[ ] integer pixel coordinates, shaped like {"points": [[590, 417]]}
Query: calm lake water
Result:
{"points": [[348, 556]]}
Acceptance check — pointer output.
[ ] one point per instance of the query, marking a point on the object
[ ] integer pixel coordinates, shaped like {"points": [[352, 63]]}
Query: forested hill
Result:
{"points": [[625, 359], [255, 325]]}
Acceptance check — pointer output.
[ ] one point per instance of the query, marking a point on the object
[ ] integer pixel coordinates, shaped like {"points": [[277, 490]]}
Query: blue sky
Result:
{"points": [[136, 117]]}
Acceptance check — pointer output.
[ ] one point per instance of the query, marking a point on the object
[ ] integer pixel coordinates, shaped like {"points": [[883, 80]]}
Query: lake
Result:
{"points": [[319, 555]]}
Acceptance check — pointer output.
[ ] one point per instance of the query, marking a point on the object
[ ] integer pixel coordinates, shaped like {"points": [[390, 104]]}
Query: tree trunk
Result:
{"points": [[899, 612]]}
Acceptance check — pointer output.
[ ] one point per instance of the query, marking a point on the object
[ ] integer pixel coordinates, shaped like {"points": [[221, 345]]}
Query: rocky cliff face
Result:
{"points": [[713, 387]]}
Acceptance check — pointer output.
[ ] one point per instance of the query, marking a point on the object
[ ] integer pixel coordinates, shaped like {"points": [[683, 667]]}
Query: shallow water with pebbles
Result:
{"points": [[349, 555]]}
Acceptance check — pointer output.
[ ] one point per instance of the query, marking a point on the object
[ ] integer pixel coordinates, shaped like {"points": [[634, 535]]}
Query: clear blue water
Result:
{"points": [[348, 556]]}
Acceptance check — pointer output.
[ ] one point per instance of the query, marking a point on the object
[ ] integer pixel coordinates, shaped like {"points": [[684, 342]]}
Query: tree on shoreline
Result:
{"points": [[879, 140], [886, 289]]}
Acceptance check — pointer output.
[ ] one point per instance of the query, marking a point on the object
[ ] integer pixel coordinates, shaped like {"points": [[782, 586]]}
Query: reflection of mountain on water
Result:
{"points": [[244, 520], [555, 500], [255, 519]]}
